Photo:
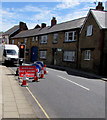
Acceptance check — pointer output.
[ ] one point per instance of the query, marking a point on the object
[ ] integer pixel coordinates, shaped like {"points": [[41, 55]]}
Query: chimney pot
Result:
{"points": [[43, 25], [100, 6], [53, 21]]}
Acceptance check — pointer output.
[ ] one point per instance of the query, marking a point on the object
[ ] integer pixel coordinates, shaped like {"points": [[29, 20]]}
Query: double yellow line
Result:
{"points": [[47, 116]]}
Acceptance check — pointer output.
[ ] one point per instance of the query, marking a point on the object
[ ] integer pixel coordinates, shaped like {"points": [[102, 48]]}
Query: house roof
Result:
{"points": [[12, 30], [77, 23], [27, 33], [100, 17]]}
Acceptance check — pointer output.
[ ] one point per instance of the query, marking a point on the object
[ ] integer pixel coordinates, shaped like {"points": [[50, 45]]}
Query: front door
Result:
{"points": [[34, 54]]}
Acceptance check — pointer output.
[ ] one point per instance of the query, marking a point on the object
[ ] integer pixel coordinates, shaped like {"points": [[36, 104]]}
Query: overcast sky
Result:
{"points": [[34, 12]]}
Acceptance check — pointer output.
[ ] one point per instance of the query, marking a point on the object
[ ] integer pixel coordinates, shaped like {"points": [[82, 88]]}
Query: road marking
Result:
{"points": [[74, 83], [39, 104], [12, 70], [56, 70], [47, 116]]}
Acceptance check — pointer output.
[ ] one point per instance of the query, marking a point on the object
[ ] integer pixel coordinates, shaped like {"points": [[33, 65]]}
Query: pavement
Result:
{"points": [[78, 72], [13, 103]]}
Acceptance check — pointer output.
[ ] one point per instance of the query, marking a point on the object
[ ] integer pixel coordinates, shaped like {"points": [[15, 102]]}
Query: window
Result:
{"points": [[25, 40], [87, 55], [89, 30], [55, 38], [70, 36], [43, 54], [33, 39], [69, 56], [36, 38], [44, 39], [12, 41]]}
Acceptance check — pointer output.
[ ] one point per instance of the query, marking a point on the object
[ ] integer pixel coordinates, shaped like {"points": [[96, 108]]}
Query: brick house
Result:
{"points": [[56, 44], [61, 43], [6, 36], [93, 42]]}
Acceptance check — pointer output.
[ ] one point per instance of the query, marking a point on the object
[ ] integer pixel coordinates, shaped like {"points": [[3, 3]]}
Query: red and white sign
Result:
{"points": [[29, 70]]}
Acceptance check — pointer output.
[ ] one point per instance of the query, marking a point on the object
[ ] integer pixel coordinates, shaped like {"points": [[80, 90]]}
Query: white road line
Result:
{"points": [[56, 70], [74, 83]]}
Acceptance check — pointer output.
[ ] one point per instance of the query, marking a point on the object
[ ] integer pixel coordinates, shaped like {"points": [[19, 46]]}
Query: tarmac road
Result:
{"points": [[63, 95]]}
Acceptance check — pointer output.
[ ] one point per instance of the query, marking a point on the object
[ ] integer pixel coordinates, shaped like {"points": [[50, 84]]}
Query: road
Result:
{"points": [[68, 96]]}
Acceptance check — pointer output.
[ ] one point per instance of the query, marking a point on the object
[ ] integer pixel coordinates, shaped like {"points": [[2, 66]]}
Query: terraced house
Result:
{"points": [[79, 43], [56, 44], [6, 36], [93, 42]]}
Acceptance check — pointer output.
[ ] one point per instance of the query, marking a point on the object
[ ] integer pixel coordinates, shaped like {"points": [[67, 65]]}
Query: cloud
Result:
{"points": [[67, 4], [37, 15]]}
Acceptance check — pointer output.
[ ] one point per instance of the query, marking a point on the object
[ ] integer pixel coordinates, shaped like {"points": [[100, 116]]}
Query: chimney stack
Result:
{"points": [[100, 6], [43, 25], [23, 26], [53, 21]]}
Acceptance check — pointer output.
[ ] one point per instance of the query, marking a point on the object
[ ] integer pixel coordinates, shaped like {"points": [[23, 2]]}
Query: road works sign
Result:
{"points": [[29, 70]]}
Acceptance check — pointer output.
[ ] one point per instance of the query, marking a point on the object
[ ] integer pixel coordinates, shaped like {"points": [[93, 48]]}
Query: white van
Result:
{"points": [[10, 53]]}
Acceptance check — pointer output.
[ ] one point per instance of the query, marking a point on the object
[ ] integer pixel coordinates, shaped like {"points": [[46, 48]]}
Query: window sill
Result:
{"points": [[87, 59], [69, 41], [68, 61], [42, 43], [43, 58]]}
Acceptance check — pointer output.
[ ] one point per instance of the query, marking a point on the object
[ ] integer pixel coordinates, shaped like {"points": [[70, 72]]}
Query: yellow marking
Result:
{"points": [[38, 104], [47, 116]]}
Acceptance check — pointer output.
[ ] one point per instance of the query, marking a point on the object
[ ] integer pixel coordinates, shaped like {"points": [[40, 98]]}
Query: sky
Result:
{"points": [[33, 12]]}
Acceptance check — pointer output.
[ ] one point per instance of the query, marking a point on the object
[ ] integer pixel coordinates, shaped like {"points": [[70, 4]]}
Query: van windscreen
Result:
{"points": [[11, 52]]}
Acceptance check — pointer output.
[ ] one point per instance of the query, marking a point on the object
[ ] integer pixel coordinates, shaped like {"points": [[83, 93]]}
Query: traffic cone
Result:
{"points": [[42, 73], [36, 76], [45, 72], [24, 82]]}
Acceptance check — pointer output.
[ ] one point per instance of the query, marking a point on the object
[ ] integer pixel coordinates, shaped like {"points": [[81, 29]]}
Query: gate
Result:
{"points": [[34, 54]]}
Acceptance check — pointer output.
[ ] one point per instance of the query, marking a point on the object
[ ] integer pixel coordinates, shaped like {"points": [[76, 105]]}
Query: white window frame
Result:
{"points": [[36, 38], [55, 37], [89, 30], [43, 54], [33, 39], [44, 39], [69, 56], [87, 55], [25, 40], [67, 36], [12, 41]]}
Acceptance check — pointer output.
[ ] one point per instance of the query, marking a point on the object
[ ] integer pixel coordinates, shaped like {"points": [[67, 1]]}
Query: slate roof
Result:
{"points": [[27, 33], [100, 17], [77, 23], [12, 30]]}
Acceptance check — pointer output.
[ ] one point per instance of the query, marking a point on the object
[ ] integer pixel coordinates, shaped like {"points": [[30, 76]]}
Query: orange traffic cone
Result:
{"points": [[36, 76], [42, 73], [45, 72], [24, 82]]}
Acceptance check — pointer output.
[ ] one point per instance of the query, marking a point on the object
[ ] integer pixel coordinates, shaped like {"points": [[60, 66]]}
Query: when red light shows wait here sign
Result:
{"points": [[29, 70]]}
